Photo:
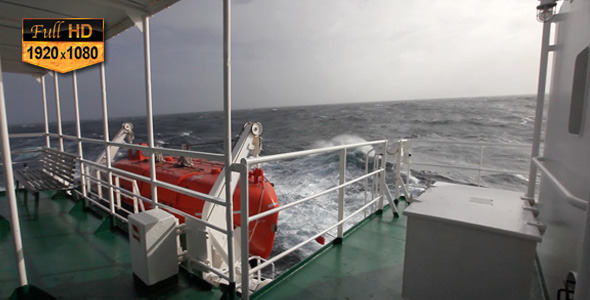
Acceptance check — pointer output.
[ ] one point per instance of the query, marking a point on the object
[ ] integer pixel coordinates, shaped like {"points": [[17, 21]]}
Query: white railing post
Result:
{"points": [[88, 175], [408, 159], [149, 105], [10, 193], [46, 121], [98, 183], [480, 165], [118, 192], [398, 168], [79, 133], [244, 231], [367, 179], [384, 167], [58, 112], [341, 181], [227, 109], [105, 118], [539, 108]]}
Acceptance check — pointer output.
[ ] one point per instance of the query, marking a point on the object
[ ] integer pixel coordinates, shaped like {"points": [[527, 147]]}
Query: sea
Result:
{"points": [[495, 120]]}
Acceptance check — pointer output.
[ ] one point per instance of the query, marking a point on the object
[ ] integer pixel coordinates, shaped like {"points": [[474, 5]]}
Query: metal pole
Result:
{"points": [[15, 225], [58, 111], [539, 109], [244, 209], [398, 169], [480, 165], [79, 132], [384, 167], [149, 105], [341, 180], [44, 91], [105, 118], [228, 135]]}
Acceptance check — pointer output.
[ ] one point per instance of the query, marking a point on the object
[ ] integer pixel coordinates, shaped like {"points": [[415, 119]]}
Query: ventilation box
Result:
{"points": [[153, 241], [467, 243]]}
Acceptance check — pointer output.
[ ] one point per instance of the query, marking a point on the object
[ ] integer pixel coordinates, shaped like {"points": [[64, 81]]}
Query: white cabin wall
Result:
{"points": [[567, 155]]}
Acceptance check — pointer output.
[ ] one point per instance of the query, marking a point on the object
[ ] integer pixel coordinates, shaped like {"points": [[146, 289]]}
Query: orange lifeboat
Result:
{"points": [[200, 177]]}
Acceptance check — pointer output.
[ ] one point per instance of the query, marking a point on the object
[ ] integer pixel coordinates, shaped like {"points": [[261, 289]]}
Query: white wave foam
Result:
{"points": [[343, 139], [299, 178], [522, 177]]}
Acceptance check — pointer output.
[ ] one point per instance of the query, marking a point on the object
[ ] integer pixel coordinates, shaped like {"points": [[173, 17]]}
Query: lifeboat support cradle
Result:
{"points": [[215, 243]]}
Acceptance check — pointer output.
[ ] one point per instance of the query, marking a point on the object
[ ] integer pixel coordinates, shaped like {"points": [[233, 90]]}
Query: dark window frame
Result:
{"points": [[579, 92]]}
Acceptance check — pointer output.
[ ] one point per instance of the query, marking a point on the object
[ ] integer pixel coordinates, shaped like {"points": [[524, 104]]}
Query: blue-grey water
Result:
{"points": [[488, 119]]}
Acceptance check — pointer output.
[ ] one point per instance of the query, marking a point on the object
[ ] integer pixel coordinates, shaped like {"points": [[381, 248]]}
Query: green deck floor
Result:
{"points": [[65, 258], [367, 265]]}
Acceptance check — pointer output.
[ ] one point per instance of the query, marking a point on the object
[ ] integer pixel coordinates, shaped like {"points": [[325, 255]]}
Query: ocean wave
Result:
{"points": [[343, 139]]}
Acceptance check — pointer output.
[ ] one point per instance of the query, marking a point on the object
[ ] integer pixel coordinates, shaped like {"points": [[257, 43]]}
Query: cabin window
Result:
{"points": [[579, 92]]}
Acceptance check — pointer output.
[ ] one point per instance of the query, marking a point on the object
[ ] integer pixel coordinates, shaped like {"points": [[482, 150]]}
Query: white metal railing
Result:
{"points": [[479, 167], [570, 198], [244, 166], [118, 173], [94, 176], [107, 178], [146, 149]]}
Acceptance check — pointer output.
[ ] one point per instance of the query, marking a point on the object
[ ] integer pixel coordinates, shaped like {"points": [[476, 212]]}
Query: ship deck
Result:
{"points": [[367, 265], [70, 255]]}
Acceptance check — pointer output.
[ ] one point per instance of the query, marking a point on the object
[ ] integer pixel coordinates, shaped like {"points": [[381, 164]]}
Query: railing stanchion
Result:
{"points": [[398, 168], [117, 192], [537, 131], [384, 167], [244, 196], [149, 106], [46, 122], [78, 132], [342, 180], [480, 165], [10, 188], [105, 120], [58, 112], [367, 179]]}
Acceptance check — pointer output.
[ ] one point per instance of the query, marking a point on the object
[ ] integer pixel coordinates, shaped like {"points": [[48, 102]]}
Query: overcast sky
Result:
{"points": [[305, 52]]}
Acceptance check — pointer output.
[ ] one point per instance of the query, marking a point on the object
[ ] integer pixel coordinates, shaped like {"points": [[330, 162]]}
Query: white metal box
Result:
{"points": [[466, 242], [153, 241]]}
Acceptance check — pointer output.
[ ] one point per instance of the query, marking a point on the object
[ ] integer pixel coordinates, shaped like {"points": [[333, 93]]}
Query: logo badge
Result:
{"points": [[63, 45]]}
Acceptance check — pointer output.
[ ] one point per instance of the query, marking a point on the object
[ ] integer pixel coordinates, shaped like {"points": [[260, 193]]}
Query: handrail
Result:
{"points": [[332, 189], [257, 160], [26, 135], [243, 167], [571, 199], [469, 168], [159, 183], [160, 205], [286, 252], [146, 149], [485, 144], [93, 178], [479, 168], [119, 172]]}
